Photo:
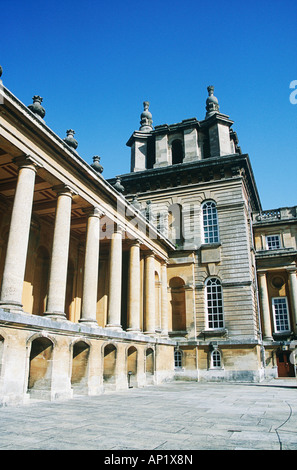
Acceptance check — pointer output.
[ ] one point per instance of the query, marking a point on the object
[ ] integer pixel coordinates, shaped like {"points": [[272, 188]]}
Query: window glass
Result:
{"points": [[214, 304], [177, 358], [210, 222], [273, 242], [281, 314], [216, 359]]}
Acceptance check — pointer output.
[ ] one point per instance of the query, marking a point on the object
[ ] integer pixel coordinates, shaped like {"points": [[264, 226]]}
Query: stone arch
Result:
{"points": [[149, 364], [178, 304], [40, 365], [109, 363], [132, 354], [80, 366], [178, 358]]}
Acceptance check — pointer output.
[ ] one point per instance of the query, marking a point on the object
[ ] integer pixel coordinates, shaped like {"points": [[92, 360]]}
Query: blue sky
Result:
{"points": [[95, 62]]}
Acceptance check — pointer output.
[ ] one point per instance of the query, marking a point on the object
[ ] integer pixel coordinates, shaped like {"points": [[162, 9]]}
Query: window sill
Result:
{"points": [[216, 332]]}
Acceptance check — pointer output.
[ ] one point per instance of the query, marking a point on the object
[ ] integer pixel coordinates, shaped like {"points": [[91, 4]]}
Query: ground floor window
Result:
{"points": [[280, 314], [216, 360], [177, 358]]}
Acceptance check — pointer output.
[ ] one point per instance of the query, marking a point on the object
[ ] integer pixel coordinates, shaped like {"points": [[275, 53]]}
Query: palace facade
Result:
{"points": [[170, 272]]}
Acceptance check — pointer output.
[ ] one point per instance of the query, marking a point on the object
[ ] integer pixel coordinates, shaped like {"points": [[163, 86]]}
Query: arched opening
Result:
{"points": [[40, 367], [40, 282], [132, 366], [79, 375], [149, 365], [210, 222], [109, 364], [175, 224], [216, 359], [214, 304], [178, 359], [178, 304], [177, 152]]}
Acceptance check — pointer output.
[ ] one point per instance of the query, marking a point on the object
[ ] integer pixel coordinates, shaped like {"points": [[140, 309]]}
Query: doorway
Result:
{"points": [[284, 366]]}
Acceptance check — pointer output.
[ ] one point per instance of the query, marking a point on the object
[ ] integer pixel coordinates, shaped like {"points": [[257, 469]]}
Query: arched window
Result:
{"points": [[177, 152], [210, 222], [216, 359], [214, 304], [177, 358]]}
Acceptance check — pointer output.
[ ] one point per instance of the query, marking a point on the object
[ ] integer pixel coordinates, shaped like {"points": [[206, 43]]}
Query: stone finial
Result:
{"points": [[212, 104], [1, 70], [70, 140], [96, 164], [135, 203], [146, 118], [36, 107], [118, 185]]}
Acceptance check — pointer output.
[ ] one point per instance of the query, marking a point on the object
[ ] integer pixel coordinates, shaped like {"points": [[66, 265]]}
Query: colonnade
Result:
{"points": [[16, 256]]}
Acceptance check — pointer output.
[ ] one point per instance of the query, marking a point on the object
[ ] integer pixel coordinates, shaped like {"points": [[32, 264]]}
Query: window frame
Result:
{"points": [[275, 320], [180, 360], [210, 228], [220, 313], [276, 235], [212, 364]]}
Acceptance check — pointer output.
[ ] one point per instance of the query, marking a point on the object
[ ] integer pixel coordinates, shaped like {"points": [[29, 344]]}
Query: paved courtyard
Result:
{"points": [[174, 416]]}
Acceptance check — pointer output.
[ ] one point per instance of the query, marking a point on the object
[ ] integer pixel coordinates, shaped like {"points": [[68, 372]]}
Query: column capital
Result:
{"points": [[119, 228], [94, 211], [292, 270], [150, 254], [25, 161], [164, 262], [262, 273], [64, 190], [134, 242]]}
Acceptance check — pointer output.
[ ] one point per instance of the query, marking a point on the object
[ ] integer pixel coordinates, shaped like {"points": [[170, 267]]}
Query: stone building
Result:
{"points": [[148, 277]]}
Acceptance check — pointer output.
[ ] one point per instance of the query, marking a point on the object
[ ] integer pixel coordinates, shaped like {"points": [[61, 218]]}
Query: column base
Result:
{"points": [[149, 333], [60, 316], [89, 322], [133, 330], [267, 338], [114, 327], [11, 306]]}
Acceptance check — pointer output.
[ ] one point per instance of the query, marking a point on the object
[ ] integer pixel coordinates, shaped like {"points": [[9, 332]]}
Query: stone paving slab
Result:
{"points": [[177, 416]]}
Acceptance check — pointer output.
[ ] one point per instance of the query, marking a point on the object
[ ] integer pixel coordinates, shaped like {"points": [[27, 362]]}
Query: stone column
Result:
{"points": [[293, 292], [267, 332], [60, 250], [164, 300], [149, 275], [16, 255], [134, 288], [115, 281], [91, 268]]}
